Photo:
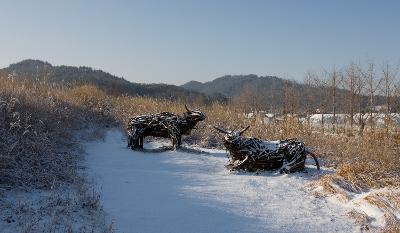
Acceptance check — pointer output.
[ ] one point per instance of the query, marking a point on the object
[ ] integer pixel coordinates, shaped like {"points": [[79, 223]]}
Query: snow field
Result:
{"points": [[191, 191]]}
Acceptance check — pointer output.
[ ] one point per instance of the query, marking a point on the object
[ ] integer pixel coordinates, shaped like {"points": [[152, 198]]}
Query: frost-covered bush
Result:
{"points": [[37, 123]]}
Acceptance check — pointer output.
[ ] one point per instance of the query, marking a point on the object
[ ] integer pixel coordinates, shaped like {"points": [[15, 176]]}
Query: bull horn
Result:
{"points": [[243, 130], [241, 163], [221, 130], [187, 109]]}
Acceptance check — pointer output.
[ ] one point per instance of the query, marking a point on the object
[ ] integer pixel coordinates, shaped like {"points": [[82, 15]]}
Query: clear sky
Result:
{"points": [[177, 41]]}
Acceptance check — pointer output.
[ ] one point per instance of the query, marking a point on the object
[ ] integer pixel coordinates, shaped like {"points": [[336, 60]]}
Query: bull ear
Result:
{"points": [[220, 130], [187, 109], [243, 130]]}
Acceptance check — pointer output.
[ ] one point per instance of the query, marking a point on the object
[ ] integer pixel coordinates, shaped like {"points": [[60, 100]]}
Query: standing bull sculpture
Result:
{"points": [[165, 124], [251, 153]]}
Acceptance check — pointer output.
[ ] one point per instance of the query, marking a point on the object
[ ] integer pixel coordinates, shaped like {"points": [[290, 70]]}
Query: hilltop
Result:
{"points": [[44, 72]]}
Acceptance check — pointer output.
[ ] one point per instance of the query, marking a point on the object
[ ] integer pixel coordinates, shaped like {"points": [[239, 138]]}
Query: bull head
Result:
{"points": [[194, 115], [231, 135]]}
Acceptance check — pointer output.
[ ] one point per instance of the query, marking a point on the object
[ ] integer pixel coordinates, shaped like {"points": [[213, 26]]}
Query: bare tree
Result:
{"points": [[332, 82], [396, 95], [321, 83], [291, 98], [360, 86], [372, 86], [349, 82], [388, 83], [249, 99], [334, 87], [310, 97]]}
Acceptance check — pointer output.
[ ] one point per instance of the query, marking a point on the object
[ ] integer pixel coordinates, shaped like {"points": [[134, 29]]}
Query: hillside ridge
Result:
{"points": [[42, 71]]}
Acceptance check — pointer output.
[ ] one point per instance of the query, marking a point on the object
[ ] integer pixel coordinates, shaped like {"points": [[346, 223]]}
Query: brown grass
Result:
{"points": [[363, 162], [37, 124], [361, 219], [37, 144], [39, 150]]}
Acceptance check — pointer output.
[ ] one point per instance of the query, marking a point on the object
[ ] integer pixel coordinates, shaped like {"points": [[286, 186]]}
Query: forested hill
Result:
{"points": [[231, 85], [273, 93], [248, 92], [260, 92], [41, 71]]}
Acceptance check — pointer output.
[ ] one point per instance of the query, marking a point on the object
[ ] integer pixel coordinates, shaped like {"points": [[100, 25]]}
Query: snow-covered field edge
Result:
{"points": [[254, 197], [79, 207], [72, 207], [375, 210]]}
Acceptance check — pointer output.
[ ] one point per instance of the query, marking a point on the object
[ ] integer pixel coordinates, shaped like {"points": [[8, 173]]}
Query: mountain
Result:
{"points": [[248, 92], [231, 85], [252, 91], [41, 71], [272, 93]]}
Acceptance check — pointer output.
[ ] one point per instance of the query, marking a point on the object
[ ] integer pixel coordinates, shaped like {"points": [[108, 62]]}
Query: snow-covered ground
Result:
{"points": [[191, 191], [341, 119]]}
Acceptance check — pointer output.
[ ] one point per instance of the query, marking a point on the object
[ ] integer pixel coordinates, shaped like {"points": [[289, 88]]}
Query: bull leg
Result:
{"points": [[174, 140], [238, 165], [132, 143], [296, 164], [179, 141], [129, 141], [135, 136], [130, 137], [135, 144], [141, 140], [174, 143]]}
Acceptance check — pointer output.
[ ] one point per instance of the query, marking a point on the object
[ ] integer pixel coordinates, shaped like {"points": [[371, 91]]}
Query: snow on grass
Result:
{"points": [[373, 204], [59, 210], [191, 191]]}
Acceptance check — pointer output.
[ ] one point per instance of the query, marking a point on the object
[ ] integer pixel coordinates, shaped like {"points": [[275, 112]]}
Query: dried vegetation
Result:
{"points": [[38, 124], [40, 156]]}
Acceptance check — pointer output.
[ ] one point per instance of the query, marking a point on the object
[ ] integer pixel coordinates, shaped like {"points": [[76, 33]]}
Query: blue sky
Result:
{"points": [[177, 41]]}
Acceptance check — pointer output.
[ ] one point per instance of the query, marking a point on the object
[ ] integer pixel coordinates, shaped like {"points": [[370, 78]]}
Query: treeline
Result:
{"points": [[276, 95], [363, 92], [370, 91]]}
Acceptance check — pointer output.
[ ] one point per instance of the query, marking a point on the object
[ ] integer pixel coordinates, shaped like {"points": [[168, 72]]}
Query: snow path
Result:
{"points": [[184, 191]]}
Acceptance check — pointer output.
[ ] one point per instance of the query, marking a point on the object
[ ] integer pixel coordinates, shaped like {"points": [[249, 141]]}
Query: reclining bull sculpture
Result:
{"points": [[165, 124], [251, 153]]}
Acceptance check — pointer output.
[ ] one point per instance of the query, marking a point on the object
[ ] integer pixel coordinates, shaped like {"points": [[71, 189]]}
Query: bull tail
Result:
{"points": [[314, 157]]}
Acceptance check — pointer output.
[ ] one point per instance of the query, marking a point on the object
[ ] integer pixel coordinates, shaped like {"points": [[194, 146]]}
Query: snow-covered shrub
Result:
{"points": [[37, 144]]}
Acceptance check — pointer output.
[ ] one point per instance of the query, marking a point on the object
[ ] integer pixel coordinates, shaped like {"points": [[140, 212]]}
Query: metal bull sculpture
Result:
{"points": [[165, 124], [252, 153]]}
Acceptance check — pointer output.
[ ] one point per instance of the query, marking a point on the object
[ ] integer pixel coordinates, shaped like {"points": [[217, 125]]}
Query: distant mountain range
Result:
{"points": [[247, 91], [41, 71]]}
